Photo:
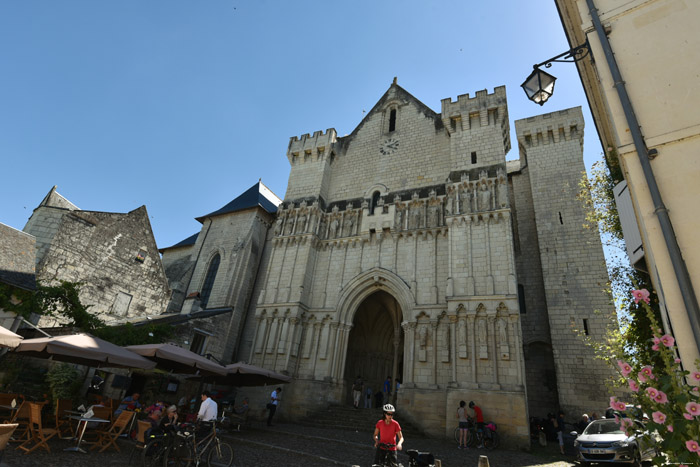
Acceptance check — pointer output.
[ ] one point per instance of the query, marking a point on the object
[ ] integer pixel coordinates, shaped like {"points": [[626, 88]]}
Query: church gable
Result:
{"points": [[401, 143]]}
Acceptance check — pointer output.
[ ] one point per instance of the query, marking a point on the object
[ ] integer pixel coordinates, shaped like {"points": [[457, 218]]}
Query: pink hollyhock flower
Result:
{"points": [[670, 428], [646, 371], [695, 375], [678, 360], [633, 385], [659, 417], [692, 446], [641, 377], [655, 347], [642, 294], [687, 416], [693, 408], [652, 392], [667, 340], [625, 367], [661, 397]]}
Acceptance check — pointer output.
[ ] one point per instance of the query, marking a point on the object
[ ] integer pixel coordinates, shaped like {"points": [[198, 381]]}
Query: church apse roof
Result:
{"points": [[189, 241], [256, 196]]}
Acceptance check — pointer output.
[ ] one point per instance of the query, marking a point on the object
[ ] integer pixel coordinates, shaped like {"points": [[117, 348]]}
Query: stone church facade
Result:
{"points": [[412, 249]]}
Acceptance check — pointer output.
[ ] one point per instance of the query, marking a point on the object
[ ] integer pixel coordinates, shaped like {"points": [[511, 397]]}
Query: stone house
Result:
{"points": [[114, 256], [17, 268], [412, 248]]}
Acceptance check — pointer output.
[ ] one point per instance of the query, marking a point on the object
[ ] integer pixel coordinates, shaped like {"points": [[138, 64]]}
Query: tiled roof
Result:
{"points": [[189, 241], [257, 195]]}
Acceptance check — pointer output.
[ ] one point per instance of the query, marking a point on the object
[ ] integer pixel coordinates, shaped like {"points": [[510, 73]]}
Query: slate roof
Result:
{"points": [[257, 195], [189, 241]]}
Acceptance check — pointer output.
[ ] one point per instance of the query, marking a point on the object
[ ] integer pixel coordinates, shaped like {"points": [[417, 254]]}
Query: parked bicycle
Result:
{"points": [[187, 451], [486, 437]]}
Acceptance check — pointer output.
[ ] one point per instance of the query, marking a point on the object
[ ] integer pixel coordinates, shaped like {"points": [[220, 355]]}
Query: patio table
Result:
{"points": [[84, 421]]}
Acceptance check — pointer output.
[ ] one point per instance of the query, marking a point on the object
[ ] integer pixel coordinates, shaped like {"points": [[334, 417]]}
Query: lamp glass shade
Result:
{"points": [[539, 86]]}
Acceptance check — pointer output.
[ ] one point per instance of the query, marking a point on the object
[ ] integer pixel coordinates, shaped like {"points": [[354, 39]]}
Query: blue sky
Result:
{"points": [[182, 105]]}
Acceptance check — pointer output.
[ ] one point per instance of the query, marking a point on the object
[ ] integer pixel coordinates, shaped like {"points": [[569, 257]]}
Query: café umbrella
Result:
{"points": [[242, 374], [83, 349], [170, 357], [9, 338]]}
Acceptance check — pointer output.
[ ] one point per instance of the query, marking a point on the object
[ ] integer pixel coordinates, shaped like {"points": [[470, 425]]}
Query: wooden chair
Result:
{"points": [[5, 435], [143, 427], [39, 434], [6, 398], [103, 412], [109, 438], [21, 418], [62, 420]]}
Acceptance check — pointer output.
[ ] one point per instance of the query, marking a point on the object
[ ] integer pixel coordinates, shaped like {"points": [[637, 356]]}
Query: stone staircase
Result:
{"points": [[345, 417]]}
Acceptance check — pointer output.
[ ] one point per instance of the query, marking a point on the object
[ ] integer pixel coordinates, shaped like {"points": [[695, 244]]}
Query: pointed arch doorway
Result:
{"points": [[375, 344]]}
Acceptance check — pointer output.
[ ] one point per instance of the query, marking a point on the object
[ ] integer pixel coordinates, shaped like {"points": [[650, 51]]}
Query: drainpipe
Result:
{"points": [[682, 276]]}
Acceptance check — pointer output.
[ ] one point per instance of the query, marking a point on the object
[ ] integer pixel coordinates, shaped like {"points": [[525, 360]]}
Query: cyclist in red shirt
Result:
{"points": [[385, 433], [479, 421]]}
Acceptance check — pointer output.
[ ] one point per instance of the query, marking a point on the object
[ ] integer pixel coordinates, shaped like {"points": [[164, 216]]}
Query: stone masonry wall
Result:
{"points": [[572, 259], [116, 258]]}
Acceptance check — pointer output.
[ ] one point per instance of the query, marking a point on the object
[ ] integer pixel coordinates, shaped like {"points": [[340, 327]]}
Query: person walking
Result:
{"points": [[386, 432], [387, 389], [357, 389], [272, 405], [207, 414], [368, 398], [463, 425]]}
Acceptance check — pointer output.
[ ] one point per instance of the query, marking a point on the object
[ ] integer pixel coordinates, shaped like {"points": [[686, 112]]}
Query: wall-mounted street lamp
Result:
{"points": [[539, 86]]}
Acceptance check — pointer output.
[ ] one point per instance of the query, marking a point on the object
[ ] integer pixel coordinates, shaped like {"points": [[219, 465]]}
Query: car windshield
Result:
{"points": [[601, 427]]}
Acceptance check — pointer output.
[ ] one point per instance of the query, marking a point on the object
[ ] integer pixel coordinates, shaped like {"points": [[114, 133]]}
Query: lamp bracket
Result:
{"points": [[572, 55]]}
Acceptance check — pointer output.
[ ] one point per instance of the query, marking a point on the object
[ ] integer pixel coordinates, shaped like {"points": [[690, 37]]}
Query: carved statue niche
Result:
{"points": [[415, 212], [398, 213], [333, 233], [502, 189], [322, 225], [462, 338], [289, 227], [349, 224], [279, 224], [423, 343], [484, 196], [483, 339], [449, 201], [301, 223], [433, 210], [465, 200], [445, 340], [503, 339]]}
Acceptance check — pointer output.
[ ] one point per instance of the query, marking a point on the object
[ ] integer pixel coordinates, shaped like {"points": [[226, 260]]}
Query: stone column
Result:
{"points": [[492, 345], [453, 344], [314, 358], [266, 337], [409, 332], [434, 326], [395, 363], [291, 334], [256, 341], [346, 333], [472, 339], [518, 351], [333, 335]]}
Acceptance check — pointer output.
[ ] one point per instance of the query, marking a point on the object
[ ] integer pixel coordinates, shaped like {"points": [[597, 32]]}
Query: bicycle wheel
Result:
{"points": [[220, 455], [457, 434], [471, 438], [491, 441], [178, 455], [153, 452]]}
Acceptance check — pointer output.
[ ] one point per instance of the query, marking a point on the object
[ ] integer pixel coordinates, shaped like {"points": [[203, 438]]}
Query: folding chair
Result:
{"points": [[109, 438], [21, 417], [143, 427], [39, 434], [62, 420], [5, 435]]}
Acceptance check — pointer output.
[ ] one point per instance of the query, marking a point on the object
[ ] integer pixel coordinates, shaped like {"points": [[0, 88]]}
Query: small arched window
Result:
{"points": [[373, 204], [392, 120], [209, 280]]}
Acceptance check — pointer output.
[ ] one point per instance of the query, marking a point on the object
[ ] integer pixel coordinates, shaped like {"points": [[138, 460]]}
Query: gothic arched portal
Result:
{"points": [[375, 344]]}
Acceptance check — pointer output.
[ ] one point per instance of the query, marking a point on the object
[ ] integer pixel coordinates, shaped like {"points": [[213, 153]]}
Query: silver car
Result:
{"points": [[604, 441]]}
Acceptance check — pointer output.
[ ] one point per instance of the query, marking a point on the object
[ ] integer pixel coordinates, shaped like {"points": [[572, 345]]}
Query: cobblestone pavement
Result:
{"points": [[296, 445]]}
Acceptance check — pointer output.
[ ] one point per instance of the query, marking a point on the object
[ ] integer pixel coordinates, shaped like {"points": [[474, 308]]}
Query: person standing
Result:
{"points": [[463, 425], [368, 398], [208, 409], [386, 432], [479, 416], [272, 406], [357, 389], [559, 423], [387, 389]]}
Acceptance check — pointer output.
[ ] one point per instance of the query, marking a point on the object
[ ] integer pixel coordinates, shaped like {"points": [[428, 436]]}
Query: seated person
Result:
{"points": [[129, 403], [170, 418], [241, 409], [154, 419], [159, 405]]}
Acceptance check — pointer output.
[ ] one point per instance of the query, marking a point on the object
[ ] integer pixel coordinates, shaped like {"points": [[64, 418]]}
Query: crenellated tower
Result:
{"points": [[478, 128], [310, 158]]}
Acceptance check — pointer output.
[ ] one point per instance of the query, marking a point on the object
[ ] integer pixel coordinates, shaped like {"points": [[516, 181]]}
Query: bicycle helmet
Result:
{"points": [[389, 408]]}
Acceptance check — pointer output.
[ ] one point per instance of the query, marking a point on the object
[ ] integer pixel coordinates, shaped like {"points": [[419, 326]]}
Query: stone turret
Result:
{"points": [[573, 265], [471, 122], [310, 157]]}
